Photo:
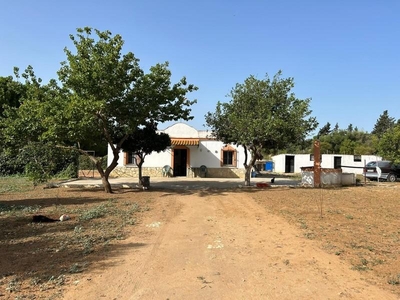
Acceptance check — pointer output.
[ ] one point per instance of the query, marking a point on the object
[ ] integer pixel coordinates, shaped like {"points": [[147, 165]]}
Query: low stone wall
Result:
{"points": [[191, 172], [329, 177], [134, 172]]}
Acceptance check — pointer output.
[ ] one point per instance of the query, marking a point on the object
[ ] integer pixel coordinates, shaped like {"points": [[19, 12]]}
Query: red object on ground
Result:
{"points": [[262, 184]]}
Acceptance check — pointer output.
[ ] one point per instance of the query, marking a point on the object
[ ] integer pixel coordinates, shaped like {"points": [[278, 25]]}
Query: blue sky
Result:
{"points": [[345, 55]]}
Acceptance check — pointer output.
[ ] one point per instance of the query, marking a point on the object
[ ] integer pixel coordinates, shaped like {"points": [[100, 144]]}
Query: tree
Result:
{"points": [[104, 96], [336, 128], [11, 92], [143, 142], [262, 116], [347, 146], [44, 161], [389, 144], [383, 124], [326, 129], [350, 128]]}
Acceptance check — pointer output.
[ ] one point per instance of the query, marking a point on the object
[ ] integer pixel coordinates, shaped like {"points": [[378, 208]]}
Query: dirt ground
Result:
{"points": [[241, 243]]}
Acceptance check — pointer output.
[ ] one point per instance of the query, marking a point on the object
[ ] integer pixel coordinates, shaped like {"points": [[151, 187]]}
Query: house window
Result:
{"points": [[357, 157], [312, 157], [228, 156], [130, 159]]}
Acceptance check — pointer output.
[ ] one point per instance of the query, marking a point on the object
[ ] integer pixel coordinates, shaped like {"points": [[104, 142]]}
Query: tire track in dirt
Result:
{"points": [[121, 273]]}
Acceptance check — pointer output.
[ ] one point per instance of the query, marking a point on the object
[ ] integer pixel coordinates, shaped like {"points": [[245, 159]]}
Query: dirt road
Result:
{"points": [[220, 246]]}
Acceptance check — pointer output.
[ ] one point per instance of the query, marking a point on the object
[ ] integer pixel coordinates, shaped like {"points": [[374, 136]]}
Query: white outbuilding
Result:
{"points": [[292, 163]]}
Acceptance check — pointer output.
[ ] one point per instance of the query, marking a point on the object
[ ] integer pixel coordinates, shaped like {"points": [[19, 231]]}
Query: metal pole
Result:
{"points": [[317, 164]]}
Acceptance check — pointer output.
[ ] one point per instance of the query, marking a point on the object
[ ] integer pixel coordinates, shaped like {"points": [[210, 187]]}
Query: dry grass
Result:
{"points": [[361, 225], [41, 257]]}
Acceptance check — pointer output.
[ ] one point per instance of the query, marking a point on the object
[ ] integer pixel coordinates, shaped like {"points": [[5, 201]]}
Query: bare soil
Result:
{"points": [[244, 243]]}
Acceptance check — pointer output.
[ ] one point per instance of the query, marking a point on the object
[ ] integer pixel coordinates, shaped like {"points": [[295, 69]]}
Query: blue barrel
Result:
{"points": [[269, 166]]}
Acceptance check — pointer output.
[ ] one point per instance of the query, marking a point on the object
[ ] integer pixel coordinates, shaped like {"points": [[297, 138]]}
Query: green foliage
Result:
{"points": [[31, 120], [110, 95], [18, 209], [85, 163], [103, 97], [11, 93], [325, 130], [11, 184], [10, 164], [349, 141], [103, 161], [384, 123], [71, 171], [94, 213], [389, 144], [45, 161], [263, 116], [145, 141]]}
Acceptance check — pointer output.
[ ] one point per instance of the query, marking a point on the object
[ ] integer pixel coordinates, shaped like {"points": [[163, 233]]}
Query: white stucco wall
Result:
{"points": [[181, 130], [152, 160], [207, 153]]}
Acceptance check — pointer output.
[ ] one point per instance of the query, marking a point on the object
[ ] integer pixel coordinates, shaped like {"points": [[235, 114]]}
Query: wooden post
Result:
{"points": [[317, 164]]}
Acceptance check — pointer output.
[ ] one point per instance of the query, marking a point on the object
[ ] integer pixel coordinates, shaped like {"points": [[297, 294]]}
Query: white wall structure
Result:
{"points": [[291, 163], [190, 150]]}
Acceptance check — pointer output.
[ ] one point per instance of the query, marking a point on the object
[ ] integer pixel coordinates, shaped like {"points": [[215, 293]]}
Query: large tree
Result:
{"points": [[326, 129], [389, 144], [104, 95], [347, 141], [384, 123], [145, 141], [263, 116], [11, 92]]}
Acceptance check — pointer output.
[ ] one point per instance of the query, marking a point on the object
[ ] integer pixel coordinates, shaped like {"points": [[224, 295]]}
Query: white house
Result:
{"points": [[291, 163], [192, 153]]}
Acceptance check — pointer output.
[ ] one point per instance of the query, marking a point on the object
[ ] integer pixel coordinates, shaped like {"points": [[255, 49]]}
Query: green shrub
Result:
{"points": [[44, 161], [85, 163], [10, 164], [94, 213], [70, 172]]}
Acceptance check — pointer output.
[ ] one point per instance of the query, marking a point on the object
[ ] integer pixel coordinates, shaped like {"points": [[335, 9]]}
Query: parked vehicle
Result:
{"points": [[389, 171]]}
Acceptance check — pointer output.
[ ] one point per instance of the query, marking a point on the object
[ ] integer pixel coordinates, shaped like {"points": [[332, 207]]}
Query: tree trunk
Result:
{"points": [[106, 174], [249, 168], [247, 176], [140, 173], [106, 184]]}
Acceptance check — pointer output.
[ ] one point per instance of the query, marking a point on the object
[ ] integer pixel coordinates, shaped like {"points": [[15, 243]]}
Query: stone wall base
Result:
{"points": [[191, 172]]}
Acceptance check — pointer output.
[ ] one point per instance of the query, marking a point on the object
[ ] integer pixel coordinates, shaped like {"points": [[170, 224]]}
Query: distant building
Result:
{"points": [[291, 163]]}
